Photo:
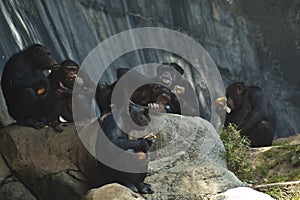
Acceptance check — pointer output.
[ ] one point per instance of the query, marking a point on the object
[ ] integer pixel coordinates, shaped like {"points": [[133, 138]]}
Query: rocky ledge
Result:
{"points": [[43, 164]]}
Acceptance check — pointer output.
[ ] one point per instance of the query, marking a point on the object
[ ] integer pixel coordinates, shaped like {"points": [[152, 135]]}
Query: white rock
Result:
{"points": [[242, 193]]}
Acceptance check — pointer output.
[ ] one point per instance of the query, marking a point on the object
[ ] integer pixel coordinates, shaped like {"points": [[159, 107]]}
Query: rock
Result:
{"points": [[192, 181], [53, 165], [4, 171], [182, 139], [12, 189], [194, 168], [112, 192], [242, 193], [292, 140]]}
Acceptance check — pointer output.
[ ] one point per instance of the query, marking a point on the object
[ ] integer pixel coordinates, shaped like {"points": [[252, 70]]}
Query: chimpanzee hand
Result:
{"points": [[154, 108], [79, 81], [46, 83], [144, 146], [41, 85], [179, 89], [150, 138]]}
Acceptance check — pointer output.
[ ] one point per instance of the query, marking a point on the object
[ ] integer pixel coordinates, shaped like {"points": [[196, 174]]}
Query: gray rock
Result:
{"points": [[112, 192], [193, 168], [183, 139], [52, 165], [4, 171], [12, 189]]}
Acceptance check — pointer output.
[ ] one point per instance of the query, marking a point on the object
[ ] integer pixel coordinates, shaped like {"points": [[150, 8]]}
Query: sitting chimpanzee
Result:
{"points": [[252, 113], [26, 88], [184, 100], [62, 80], [147, 94], [125, 153]]}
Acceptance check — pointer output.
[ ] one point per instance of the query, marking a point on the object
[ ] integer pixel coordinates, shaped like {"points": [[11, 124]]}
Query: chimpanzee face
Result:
{"points": [[70, 75], [166, 75], [162, 95], [40, 56], [139, 114], [234, 95]]}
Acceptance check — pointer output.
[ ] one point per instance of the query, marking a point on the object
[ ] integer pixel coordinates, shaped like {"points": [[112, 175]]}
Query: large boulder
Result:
{"points": [[112, 192], [52, 165], [194, 167], [11, 188], [187, 161]]}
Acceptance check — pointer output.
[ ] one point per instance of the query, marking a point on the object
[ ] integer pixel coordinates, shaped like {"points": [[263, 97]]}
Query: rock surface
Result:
{"points": [[195, 168], [51, 165], [57, 166], [112, 192], [253, 41]]}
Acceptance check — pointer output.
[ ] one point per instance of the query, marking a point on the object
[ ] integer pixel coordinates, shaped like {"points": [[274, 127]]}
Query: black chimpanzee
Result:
{"points": [[62, 80], [150, 94], [251, 112], [133, 153], [145, 95], [26, 88], [184, 100]]}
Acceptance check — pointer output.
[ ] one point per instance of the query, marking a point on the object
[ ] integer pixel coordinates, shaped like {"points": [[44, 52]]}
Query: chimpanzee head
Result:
{"points": [[235, 95], [139, 114], [39, 56], [167, 73], [69, 70], [161, 95]]}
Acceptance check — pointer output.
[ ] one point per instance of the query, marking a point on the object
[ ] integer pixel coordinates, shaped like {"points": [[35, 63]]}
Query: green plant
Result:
{"points": [[296, 157], [283, 193], [236, 150]]}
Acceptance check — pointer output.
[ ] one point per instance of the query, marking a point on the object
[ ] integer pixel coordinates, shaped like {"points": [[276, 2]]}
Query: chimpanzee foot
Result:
{"points": [[57, 126], [33, 123], [130, 186], [145, 188]]}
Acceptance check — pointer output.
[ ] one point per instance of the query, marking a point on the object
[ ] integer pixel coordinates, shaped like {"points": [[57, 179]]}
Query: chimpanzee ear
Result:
{"points": [[240, 88]]}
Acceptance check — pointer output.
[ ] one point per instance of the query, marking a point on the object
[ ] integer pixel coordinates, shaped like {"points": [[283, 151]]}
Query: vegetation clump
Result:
{"points": [[267, 169], [236, 150]]}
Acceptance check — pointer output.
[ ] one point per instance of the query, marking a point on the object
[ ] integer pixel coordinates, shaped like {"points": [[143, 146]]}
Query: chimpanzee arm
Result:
{"points": [[188, 99], [238, 116], [137, 145], [34, 83], [121, 140], [257, 112], [19, 79]]}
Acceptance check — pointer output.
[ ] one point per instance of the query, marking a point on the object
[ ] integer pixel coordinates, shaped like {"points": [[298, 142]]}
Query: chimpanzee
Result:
{"points": [[62, 80], [134, 153], [150, 94], [185, 101], [26, 88], [251, 112], [145, 95]]}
